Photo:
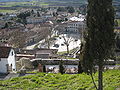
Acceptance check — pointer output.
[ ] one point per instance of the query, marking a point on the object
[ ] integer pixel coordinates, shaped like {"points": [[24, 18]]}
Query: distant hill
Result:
{"points": [[69, 1], [14, 0], [41, 0], [46, 0]]}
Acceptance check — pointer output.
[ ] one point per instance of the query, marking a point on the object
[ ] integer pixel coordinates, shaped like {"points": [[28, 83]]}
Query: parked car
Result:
{"points": [[62, 44], [56, 45], [76, 40]]}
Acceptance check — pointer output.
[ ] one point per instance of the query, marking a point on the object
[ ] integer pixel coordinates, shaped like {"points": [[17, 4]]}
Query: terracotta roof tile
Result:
{"points": [[4, 51]]}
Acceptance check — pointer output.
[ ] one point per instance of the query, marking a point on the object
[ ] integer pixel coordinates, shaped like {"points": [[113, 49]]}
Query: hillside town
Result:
{"points": [[34, 39], [31, 31], [59, 44]]}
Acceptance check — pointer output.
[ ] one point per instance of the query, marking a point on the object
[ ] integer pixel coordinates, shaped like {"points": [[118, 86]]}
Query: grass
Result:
{"points": [[60, 53], [11, 4], [40, 3], [44, 81], [7, 11], [43, 4]]}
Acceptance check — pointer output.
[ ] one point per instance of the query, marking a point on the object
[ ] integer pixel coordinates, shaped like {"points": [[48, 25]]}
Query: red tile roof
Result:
{"points": [[4, 51]]}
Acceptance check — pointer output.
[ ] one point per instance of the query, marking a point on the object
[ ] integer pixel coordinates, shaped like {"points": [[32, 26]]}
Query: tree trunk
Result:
{"points": [[100, 77], [80, 70], [44, 68], [67, 49], [48, 44], [93, 81]]}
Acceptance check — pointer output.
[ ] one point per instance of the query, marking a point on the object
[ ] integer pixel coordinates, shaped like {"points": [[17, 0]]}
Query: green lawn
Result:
{"points": [[7, 11], [60, 53], [43, 81], [11, 4]]}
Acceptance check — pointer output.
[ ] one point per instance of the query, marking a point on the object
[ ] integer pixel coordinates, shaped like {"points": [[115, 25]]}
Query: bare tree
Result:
{"points": [[67, 42], [51, 31]]}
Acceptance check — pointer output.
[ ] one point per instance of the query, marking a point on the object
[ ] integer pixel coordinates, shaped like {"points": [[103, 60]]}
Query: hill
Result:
{"points": [[33, 0], [49, 81], [45, 0], [14, 0], [56, 2]]}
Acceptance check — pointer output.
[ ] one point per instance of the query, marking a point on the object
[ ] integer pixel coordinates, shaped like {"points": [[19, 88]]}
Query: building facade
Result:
{"points": [[7, 60]]}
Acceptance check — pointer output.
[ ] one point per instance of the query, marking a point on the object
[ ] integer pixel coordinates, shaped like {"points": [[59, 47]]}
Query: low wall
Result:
{"points": [[55, 61]]}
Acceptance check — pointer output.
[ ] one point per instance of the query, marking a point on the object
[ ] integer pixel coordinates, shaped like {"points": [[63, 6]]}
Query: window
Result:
{"points": [[12, 53]]}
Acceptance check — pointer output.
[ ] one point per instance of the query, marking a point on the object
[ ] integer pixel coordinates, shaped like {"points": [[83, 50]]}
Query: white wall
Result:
{"points": [[71, 66], [75, 26], [3, 67], [51, 66], [11, 60], [34, 20]]}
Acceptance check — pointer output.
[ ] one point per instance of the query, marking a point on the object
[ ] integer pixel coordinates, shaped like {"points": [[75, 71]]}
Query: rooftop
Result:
{"points": [[4, 51], [77, 19]]}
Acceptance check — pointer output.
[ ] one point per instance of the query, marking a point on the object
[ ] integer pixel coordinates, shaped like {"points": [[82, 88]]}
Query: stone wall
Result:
{"points": [[55, 61]]}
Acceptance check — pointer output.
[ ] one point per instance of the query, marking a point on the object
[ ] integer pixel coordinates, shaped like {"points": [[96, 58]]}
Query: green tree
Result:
{"points": [[38, 14], [1, 14], [70, 9], [61, 9], [100, 36], [6, 25], [23, 16], [32, 11], [116, 23], [66, 19], [118, 42]]}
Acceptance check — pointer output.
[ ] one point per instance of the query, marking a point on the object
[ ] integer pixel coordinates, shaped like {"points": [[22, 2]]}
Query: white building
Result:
{"points": [[49, 15], [74, 26], [7, 60], [80, 18], [34, 20]]}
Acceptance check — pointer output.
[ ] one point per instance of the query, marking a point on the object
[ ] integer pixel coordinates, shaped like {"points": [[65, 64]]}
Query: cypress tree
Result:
{"points": [[61, 67], [100, 36]]}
